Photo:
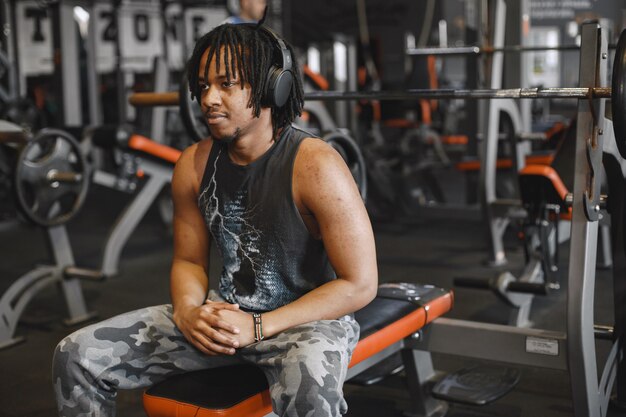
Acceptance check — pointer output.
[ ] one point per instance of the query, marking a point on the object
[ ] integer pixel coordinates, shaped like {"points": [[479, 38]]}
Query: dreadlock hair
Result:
{"points": [[251, 51]]}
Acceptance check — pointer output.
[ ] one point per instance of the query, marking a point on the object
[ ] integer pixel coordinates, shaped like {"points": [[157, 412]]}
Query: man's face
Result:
{"points": [[224, 103], [254, 8]]}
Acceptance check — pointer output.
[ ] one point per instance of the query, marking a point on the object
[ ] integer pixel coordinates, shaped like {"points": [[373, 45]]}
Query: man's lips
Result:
{"points": [[215, 117]]}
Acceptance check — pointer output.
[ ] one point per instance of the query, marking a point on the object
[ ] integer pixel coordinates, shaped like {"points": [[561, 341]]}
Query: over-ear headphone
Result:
{"points": [[279, 78]]}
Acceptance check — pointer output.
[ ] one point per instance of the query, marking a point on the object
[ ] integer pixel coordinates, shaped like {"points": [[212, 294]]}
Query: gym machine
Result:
{"points": [[574, 350], [51, 178]]}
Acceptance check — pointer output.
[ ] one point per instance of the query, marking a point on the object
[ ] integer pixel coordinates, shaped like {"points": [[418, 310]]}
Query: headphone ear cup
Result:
{"points": [[270, 86], [279, 84], [283, 87]]}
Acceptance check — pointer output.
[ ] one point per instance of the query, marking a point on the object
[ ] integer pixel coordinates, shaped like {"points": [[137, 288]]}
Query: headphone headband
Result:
{"points": [[279, 79], [284, 51]]}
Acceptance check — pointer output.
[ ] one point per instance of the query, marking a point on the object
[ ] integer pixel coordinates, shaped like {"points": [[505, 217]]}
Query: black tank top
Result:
{"points": [[270, 258]]}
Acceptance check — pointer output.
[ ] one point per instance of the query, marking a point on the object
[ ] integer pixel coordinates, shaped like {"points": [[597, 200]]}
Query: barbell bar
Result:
{"points": [[528, 93], [617, 94], [173, 98], [478, 50], [198, 130]]}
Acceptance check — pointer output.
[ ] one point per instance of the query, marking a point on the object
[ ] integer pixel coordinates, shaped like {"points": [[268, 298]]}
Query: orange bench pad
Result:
{"points": [[555, 179], [143, 144], [548, 172], [257, 405], [474, 165], [318, 79], [545, 159], [401, 328]]}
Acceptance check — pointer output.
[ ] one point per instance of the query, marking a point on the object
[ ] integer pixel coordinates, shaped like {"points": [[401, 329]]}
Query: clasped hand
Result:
{"points": [[216, 328]]}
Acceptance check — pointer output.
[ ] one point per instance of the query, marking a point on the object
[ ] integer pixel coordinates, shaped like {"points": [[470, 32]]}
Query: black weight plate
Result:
{"points": [[618, 94], [40, 197]]}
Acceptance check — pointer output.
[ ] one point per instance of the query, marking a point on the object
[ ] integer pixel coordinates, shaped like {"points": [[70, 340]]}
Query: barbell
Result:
{"points": [[173, 98], [480, 50], [617, 94]]}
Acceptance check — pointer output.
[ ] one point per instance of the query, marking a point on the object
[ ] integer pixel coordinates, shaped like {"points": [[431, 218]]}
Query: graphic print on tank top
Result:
{"points": [[249, 277]]}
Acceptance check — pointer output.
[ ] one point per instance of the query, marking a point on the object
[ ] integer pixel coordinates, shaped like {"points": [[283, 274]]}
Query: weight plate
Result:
{"points": [[618, 94], [51, 178]]}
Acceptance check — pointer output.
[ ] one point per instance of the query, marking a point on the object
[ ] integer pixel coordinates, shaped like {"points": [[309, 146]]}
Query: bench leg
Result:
{"points": [[418, 367]]}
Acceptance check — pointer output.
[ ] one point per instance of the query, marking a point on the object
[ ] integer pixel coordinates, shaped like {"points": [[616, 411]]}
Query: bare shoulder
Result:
{"points": [[314, 155], [191, 164], [321, 174]]}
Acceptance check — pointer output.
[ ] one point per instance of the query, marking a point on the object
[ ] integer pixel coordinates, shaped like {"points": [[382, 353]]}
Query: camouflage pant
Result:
{"points": [[305, 365]]}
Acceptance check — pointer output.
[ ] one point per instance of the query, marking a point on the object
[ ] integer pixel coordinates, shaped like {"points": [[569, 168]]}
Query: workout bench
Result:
{"points": [[396, 315]]}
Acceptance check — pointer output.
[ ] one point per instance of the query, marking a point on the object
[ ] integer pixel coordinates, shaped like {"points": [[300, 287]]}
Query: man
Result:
{"points": [[250, 11], [297, 248]]}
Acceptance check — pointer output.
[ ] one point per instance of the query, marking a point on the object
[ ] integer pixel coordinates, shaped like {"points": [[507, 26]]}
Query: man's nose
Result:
{"points": [[211, 97]]}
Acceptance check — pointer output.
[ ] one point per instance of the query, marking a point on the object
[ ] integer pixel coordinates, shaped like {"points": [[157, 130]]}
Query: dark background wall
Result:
{"points": [[388, 21]]}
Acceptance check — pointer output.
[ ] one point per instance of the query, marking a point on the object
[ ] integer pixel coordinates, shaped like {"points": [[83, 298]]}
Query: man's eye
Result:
{"points": [[228, 83], [203, 87]]}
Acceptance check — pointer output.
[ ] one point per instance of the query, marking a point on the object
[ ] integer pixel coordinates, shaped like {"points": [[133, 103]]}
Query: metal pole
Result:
{"points": [[59, 244], [16, 79], [69, 66], [616, 206], [58, 59], [584, 234], [120, 76], [7, 36], [93, 92]]}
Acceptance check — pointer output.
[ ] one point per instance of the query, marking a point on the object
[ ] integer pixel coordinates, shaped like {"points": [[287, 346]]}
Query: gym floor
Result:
{"points": [[422, 250]]}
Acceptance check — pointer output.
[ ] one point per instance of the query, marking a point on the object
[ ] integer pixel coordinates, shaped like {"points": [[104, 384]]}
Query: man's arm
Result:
{"points": [[198, 320], [324, 187]]}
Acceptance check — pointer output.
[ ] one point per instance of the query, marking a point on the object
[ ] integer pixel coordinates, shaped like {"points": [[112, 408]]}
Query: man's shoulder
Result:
{"points": [[195, 156], [313, 144], [191, 165], [314, 154]]}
